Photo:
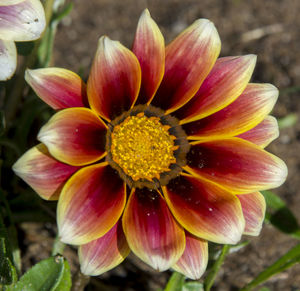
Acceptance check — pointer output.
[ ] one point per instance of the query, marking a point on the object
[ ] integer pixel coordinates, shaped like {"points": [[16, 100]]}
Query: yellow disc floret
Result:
{"points": [[142, 147]]}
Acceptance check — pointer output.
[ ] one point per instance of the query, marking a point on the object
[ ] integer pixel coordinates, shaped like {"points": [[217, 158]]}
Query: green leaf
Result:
{"points": [[2, 122], [264, 289], [192, 286], [52, 274], [8, 273], [288, 121], [279, 215], [175, 283]]}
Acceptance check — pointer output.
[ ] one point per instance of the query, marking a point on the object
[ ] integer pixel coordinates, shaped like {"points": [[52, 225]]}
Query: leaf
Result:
{"points": [[280, 215], [52, 274], [288, 121], [192, 286], [8, 273], [2, 122]]}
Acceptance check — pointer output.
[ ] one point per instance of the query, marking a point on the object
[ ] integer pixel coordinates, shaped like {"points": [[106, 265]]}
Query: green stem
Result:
{"points": [[58, 247], [209, 281], [80, 281], [286, 261], [175, 282]]}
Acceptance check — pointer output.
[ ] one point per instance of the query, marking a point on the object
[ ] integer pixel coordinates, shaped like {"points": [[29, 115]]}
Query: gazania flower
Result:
{"points": [[161, 152], [20, 20]]}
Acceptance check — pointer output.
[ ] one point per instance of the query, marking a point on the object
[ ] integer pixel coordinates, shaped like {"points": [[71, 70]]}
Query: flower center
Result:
{"points": [[143, 147]]}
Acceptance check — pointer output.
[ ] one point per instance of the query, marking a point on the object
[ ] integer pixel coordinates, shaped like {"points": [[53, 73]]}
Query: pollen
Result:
{"points": [[142, 147]]}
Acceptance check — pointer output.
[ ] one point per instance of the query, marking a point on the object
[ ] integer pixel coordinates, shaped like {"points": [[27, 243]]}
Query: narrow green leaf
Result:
{"points": [[8, 273], [291, 258], [192, 286], [264, 289], [288, 121], [175, 282], [279, 215], [52, 274], [2, 122]]}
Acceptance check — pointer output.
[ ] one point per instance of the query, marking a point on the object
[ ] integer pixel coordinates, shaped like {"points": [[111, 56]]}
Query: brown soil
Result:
{"points": [[269, 29]]}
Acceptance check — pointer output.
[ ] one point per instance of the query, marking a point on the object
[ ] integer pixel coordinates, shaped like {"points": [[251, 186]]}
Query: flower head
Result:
{"points": [[159, 153], [21, 20]]}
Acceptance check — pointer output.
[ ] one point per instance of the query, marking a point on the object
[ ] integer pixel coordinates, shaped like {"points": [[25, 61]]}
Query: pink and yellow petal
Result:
{"points": [[262, 134], [23, 21], [59, 88], [75, 136], [8, 59], [226, 81], [189, 59], [236, 165], [104, 253], [254, 208], [205, 209], [244, 113], [90, 204], [114, 80], [151, 231], [149, 47], [42, 172], [194, 260]]}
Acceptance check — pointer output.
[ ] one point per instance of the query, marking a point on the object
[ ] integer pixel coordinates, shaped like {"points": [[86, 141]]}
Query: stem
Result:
{"points": [[175, 282], [79, 281], [286, 261], [209, 281], [58, 247]]}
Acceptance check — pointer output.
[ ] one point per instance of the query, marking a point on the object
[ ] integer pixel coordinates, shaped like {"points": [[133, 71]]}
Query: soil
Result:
{"points": [[269, 29]]}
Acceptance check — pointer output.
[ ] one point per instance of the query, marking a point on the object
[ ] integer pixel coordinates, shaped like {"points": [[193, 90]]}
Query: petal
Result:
{"points": [[91, 202], [59, 88], [115, 79], [104, 253], [236, 165], [149, 47], [205, 209], [189, 59], [194, 260], [151, 231], [244, 113], [254, 208], [8, 59], [227, 80], [75, 136], [42, 172], [9, 2], [23, 21], [264, 133]]}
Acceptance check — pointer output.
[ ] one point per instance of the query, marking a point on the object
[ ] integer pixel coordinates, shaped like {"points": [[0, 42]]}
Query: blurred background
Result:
{"points": [[269, 29]]}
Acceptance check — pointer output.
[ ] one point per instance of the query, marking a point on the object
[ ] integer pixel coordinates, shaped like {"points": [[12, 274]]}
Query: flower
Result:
{"points": [[159, 153], [21, 20]]}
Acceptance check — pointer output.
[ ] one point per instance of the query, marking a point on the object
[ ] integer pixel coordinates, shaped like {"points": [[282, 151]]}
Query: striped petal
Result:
{"points": [[244, 113], [254, 208], [205, 209], [75, 136], [189, 59], [262, 134], [91, 202], [194, 260], [151, 231], [236, 165], [23, 21], [42, 172], [149, 47], [8, 59], [59, 88], [115, 79], [104, 253], [226, 81], [9, 2]]}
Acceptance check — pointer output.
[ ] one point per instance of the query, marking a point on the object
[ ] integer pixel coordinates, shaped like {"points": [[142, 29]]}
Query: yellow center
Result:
{"points": [[142, 147]]}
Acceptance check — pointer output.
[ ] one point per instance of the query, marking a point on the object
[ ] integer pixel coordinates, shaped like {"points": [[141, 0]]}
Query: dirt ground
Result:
{"points": [[269, 29]]}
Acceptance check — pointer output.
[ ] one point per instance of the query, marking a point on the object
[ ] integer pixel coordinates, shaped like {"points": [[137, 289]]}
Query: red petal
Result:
{"points": [[205, 209], [254, 208], [115, 79], [151, 231], [194, 260], [244, 113], [189, 59], [236, 165], [59, 88], [264, 133], [104, 253], [149, 47], [91, 202], [42, 172], [226, 81], [75, 136]]}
